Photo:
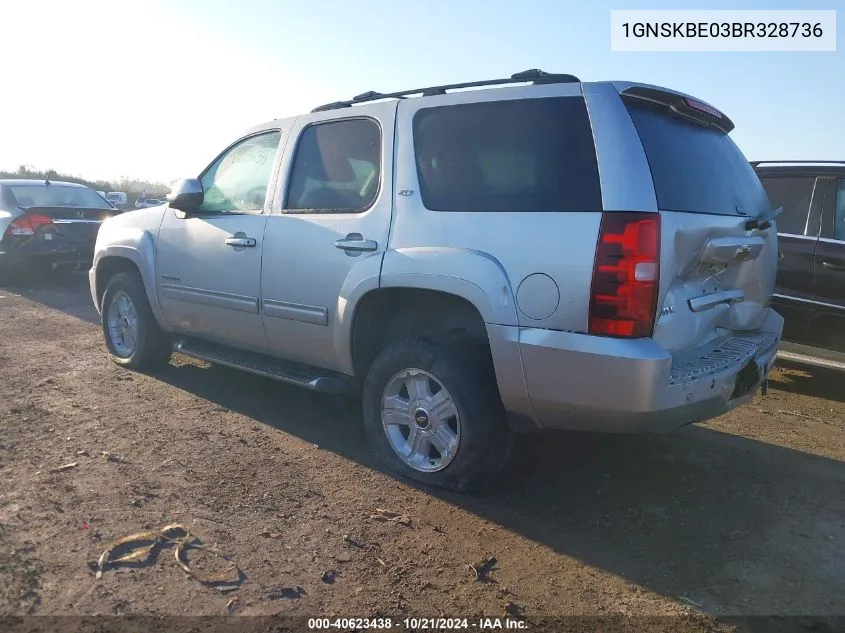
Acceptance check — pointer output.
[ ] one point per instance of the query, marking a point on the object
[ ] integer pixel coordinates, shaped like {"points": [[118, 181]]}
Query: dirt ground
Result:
{"points": [[743, 516]]}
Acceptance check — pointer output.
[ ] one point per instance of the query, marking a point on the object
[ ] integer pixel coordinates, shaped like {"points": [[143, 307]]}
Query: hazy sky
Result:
{"points": [[155, 88]]}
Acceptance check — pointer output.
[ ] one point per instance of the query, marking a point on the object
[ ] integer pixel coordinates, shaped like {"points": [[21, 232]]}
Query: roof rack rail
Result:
{"points": [[755, 163], [534, 76]]}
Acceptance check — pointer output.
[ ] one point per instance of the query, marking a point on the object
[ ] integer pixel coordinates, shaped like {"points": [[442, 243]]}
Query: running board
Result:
{"points": [[807, 355], [290, 372]]}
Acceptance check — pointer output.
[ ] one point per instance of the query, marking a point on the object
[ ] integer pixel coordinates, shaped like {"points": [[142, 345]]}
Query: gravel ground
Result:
{"points": [[743, 516]]}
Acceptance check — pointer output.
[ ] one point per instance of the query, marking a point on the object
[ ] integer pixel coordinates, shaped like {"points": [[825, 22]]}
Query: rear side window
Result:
{"points": [[336, 168], [793, 193], [43, 195], [519, 155], [695, 169]]}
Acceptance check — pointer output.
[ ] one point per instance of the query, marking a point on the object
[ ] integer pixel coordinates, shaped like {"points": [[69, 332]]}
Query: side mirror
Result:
{"points": [[186, 195]]}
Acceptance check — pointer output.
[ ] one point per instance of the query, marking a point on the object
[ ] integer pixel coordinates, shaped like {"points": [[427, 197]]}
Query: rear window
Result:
{"points": [[519, 155], [57, 196], [696, 169]]}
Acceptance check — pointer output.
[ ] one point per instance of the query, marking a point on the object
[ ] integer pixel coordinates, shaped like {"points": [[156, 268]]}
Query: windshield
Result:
{"points": [[696, 169], [43, 195]]}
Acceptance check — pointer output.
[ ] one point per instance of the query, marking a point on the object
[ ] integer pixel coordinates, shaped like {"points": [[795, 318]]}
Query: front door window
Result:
{"points": [[237, 181]]}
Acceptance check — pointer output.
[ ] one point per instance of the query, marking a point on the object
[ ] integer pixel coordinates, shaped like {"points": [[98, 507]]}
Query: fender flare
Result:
{"points": [[138, 247], [471, 275]]}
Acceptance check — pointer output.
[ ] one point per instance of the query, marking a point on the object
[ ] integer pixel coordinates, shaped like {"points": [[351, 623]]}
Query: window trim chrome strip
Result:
{"points": [[812, 302]]}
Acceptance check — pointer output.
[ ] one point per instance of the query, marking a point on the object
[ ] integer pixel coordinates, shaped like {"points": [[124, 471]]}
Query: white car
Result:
{"points": [[117, 198], [143, 203]]}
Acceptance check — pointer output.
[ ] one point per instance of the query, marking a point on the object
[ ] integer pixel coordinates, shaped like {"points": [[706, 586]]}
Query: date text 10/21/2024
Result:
{"points": [[416, 624]]}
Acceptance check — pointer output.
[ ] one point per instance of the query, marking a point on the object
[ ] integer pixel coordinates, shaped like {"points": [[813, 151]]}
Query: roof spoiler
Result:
{"points": [[684, 106]]}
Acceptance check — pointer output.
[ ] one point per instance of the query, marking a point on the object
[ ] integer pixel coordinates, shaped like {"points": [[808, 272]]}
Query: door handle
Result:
{"points": [[240, 242], [780, 256], [356, 242], [833, 265]]}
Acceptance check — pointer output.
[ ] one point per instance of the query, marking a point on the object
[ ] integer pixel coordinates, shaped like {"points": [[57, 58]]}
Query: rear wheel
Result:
{"points": [[132, 335], [434, 415]]}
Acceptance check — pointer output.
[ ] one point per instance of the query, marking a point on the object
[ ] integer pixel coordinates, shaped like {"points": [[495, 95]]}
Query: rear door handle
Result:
{"points": [[356, 242], [833, 265], [241, 242]]}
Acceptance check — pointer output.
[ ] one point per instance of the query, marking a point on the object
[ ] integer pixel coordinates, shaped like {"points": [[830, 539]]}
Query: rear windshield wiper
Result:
{"points": [[764, 221]]}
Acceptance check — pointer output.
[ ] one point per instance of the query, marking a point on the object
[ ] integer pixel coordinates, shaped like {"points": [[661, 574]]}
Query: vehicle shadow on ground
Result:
{"points": [[62, 290], [807, 380], [697, 514]]}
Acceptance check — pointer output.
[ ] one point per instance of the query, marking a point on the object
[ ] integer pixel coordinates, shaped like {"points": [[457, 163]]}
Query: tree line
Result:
{"points": [[132, 187]]}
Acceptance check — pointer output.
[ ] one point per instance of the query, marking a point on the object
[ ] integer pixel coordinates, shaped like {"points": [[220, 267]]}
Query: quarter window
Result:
{"points": [[793, 194], [515, 155], [336, 168], [237, 181]]}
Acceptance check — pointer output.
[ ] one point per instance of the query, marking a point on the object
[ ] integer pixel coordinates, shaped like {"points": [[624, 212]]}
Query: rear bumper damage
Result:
{"points": [[587, 383]]}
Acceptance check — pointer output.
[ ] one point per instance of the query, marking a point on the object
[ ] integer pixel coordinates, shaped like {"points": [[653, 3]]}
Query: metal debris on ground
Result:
{"points": [[351, 541], [113, 457], [60, 469], [285, 593], [173, 534], [388, 515], [482, 569]]}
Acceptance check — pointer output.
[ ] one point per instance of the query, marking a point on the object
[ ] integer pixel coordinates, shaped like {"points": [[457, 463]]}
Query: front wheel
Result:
{"points": [[433, 414], [132, 334]]}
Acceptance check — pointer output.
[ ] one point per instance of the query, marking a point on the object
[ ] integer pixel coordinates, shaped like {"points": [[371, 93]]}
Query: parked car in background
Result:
{"points": [[810, 286], [102, 194], [477, 262], [117, 198], [47, 223], [143, 203]]}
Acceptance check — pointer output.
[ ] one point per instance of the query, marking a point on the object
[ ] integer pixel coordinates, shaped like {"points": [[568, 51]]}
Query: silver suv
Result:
{"points": [[535, 253]]}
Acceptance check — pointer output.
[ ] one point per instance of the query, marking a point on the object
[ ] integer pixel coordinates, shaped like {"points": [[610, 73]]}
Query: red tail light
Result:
{"points": [[626, 275], [27, 225]]}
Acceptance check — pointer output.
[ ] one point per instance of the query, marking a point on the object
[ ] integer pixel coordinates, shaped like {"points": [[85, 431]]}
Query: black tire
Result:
{"points": [[467, 373], [153, 346]]}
